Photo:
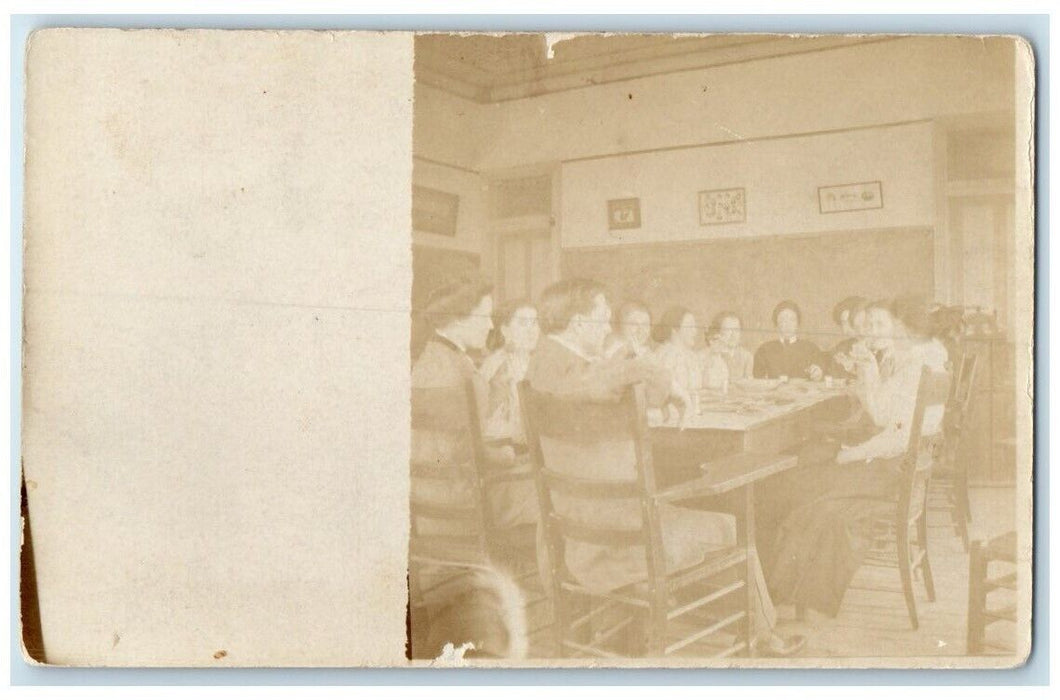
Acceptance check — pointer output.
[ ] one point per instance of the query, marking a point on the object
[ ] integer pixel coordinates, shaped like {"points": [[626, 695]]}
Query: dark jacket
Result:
{"points": [[785, 359]]}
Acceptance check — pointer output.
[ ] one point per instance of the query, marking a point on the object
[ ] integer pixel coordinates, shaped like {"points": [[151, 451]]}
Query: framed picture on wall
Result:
{"points": [[723, 206], [832, 199], [434, 211], [623, 214]]}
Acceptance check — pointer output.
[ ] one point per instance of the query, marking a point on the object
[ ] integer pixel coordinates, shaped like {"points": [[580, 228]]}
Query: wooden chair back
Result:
{"points": [[924, 447], [593, 467], [957, 409], [987, 601], [448, 498]]}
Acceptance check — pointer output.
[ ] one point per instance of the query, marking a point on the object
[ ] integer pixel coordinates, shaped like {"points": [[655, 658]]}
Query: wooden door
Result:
{"points": [[981, 234], [981, 231], [525, 265]]}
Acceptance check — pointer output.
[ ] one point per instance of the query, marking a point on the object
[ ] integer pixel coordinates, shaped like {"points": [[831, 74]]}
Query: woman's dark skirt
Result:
{"points": [[815, 524]]}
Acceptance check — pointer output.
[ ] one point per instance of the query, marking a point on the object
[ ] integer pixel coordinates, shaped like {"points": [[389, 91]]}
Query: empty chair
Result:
{"points": [[616, 575], [982, 610]]}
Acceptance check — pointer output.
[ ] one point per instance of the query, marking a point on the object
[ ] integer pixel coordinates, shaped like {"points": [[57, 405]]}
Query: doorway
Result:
{"points": [[525, 239], [524, 264], [981, 234]]}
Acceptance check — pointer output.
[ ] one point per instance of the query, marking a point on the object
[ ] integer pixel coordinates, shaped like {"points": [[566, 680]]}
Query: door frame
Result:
{"points": [[1004, 205], [525, 237], [541, 225]]}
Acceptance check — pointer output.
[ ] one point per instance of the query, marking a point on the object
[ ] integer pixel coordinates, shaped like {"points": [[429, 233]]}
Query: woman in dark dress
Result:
{"points": [[818, 517], [789, 355]]}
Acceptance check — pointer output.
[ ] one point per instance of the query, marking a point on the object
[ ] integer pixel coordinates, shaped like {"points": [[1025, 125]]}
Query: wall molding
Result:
{"points": [[449, 75], [443, 164], [750, 139], [735, 240]]}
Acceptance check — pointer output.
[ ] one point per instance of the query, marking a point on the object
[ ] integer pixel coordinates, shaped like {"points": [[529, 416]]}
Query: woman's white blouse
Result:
{"points": [[892, 402], [683, 364]]}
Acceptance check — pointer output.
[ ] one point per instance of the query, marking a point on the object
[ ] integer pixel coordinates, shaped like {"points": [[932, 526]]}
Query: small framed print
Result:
{"points": [[623, 214], [434, 211], [723, 206], [832, 199]]}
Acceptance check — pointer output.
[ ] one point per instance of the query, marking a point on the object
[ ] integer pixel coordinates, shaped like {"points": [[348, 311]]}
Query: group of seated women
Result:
{"points": [[722, 359], [569, 345]]}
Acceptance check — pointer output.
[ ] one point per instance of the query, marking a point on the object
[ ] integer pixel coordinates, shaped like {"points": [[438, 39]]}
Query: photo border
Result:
{"points": [[1035, 28]]}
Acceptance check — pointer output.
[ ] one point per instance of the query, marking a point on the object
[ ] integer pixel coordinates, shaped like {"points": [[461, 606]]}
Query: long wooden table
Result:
{"points": [[732, 442], [761, 418]]}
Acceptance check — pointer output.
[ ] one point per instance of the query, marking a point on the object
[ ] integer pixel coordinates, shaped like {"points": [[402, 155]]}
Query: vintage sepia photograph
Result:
{"points": [[721, 350], [400, 349]]}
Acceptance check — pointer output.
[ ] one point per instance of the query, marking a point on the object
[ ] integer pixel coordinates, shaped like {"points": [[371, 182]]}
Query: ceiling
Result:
{"points": [[494, 68]]}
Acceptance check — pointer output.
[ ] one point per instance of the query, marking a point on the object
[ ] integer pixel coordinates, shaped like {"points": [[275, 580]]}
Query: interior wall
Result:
{"points": [[469, 187], [895, 80], [449, 129], [447, 133], [780, 178], [762, 123]]}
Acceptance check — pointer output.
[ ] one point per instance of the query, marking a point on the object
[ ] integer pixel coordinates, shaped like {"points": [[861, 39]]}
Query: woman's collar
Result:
{"points": [[446, 340], [570, 345]]}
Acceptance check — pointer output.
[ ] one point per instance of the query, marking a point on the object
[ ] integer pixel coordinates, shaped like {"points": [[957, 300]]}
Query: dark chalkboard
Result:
{"points": [[750, 275]]}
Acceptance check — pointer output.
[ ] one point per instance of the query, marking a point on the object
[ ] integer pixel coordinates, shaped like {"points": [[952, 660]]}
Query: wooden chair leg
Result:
{"points": [[964, 510], [904, 569], [962, 530], [962, 494], [751, 568], [656, 620], [976, 599], [929, 579], [954, 507], [560, 620], [751, 648]]}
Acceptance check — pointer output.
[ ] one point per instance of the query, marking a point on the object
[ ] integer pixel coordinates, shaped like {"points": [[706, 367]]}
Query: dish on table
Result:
{"points": [[760, 385]]}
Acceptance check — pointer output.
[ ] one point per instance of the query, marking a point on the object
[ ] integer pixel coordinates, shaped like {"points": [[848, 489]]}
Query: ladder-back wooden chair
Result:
{"points": [[951, 476], [900, 540], [982, 611], [586, 500], [452, 525]]}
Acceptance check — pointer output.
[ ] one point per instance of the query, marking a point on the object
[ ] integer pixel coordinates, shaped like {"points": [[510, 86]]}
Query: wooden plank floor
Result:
{"points": [[875, 623]]}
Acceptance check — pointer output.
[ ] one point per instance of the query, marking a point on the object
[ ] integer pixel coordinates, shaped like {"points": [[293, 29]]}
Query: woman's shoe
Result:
{"points": [[777, 646]]}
